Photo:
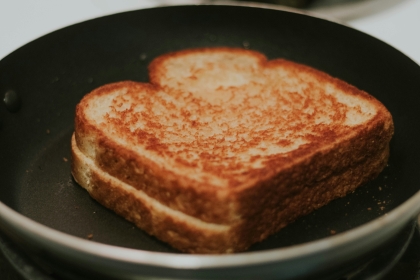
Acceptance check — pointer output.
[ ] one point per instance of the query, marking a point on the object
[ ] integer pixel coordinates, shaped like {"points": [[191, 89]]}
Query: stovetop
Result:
{"points": [[405, 262]]}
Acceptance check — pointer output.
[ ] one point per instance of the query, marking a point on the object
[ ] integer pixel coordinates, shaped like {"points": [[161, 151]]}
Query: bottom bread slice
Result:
{"points": [[192, 235], [183, 232]]}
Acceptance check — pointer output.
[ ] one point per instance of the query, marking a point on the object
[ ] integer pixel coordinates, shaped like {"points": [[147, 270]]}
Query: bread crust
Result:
{"points": [[254, 202], [189, 237], [186, 234]]}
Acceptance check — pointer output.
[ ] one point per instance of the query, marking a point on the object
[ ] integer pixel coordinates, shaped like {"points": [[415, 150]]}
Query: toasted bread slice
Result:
{"points": [[229, 139]]}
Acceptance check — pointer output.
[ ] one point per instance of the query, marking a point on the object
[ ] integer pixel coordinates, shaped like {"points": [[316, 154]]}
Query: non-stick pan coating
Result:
{"points": [[51, 74]]}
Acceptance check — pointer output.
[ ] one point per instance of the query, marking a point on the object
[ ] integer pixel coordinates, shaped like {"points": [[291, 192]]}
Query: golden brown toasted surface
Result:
{"points": [[230, 138], [226, 114]]}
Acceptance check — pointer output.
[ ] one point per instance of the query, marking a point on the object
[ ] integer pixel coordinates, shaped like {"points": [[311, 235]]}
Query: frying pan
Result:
{"points": [[48, 215]]}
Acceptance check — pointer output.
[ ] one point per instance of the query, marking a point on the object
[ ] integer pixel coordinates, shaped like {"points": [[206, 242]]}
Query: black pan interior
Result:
{"points": [[51, 74]]}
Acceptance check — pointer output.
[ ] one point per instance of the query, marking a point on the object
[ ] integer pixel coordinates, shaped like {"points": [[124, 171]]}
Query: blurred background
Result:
{"points": [[394, 21]]}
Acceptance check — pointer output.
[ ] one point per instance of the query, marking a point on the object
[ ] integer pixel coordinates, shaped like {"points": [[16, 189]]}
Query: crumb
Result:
{"points": [[90, 236], [369, 209], [48, 131], [65, 159], [382, 208], [143, 56], [380, 188], [333, 232]]}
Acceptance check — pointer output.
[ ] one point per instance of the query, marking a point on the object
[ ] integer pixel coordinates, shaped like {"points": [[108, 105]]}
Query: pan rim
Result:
{"points": [[50, 237], [31, 229]]}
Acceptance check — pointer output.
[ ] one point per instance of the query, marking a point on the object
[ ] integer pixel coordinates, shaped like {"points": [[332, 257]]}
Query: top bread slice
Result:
{"points": [[227, 137]]}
